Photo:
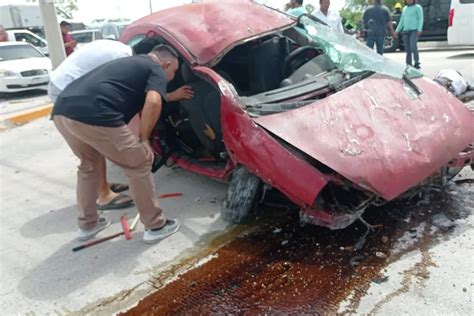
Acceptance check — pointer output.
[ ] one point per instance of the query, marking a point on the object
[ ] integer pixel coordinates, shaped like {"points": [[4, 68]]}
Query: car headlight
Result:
{"points": [[6, 73]]}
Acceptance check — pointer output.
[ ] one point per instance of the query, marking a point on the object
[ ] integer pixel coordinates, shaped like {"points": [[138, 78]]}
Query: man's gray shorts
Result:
{"points": [[53, 91]]}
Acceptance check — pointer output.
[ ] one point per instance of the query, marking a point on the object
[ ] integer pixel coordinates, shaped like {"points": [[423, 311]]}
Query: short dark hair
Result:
{"points": [[378, 1], [64, 23], [299, 2], [165, 51]]}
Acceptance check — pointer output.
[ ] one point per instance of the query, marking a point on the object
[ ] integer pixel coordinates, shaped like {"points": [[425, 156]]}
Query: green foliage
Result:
{"points": [[353, 12], [67, 6]]}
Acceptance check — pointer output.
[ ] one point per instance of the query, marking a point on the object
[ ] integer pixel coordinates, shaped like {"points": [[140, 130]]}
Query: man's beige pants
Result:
{"points": [[118, 144]]}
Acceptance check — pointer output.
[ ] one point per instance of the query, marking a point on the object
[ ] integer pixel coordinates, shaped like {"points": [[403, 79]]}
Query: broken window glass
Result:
{"points": [[351, 55]]}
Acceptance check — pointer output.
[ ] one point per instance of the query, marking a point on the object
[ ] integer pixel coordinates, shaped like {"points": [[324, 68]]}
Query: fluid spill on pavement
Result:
{"points": [[282, 268]]}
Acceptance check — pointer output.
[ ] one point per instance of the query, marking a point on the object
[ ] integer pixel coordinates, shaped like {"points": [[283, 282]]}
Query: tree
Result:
{"points": [[65, 8], [352, 13]]}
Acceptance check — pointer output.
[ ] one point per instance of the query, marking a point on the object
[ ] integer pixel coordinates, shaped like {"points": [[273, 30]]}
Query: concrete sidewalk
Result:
{"points": [[39, 272]]}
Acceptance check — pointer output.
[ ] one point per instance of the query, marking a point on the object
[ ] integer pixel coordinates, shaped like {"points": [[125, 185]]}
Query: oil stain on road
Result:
{"points": [[279, 267]]}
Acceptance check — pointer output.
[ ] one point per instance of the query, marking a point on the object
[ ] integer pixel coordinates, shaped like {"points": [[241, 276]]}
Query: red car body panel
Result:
{"points": [[202, 33], [374, 134]]}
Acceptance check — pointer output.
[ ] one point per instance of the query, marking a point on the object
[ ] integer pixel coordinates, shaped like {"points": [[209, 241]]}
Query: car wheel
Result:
{"points": [[240, 196], [391, 44]]}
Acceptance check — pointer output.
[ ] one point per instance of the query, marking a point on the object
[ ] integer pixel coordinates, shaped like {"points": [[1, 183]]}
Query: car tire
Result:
{"points": [[390, 44], [241, 195]]}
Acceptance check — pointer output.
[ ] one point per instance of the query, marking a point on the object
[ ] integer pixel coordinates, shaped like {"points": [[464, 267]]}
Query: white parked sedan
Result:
{"points": [[22, 67]]}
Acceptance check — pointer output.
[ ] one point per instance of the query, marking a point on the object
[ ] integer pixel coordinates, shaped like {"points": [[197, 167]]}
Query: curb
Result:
{"points": [[22, 117]]}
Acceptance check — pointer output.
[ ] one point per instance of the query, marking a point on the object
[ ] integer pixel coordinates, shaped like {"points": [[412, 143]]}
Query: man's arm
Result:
{"points": [[150, 114], [400, 23], [182, 93], [389, 23], [420, 20]]}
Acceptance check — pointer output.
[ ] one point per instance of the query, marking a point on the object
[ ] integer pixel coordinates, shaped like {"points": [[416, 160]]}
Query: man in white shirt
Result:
{"points": [[331, 18]]}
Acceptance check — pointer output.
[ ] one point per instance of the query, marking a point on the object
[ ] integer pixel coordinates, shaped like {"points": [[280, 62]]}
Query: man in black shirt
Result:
{"points": [[92, 115], [376, 20]]}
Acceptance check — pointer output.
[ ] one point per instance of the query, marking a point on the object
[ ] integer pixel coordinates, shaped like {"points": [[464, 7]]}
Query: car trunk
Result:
{"points": [[383, 134]]}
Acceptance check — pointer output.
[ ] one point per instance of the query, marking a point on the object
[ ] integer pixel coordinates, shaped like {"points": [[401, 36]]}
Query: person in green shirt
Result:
{"points": [[410, 27]]}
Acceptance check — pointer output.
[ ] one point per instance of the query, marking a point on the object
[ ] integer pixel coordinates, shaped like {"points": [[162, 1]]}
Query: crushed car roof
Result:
{"points": [[209, 29]]}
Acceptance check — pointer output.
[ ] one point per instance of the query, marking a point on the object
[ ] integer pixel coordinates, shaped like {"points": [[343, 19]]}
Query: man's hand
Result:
{"points": [[148, 150], [418, 34], [395, 35], [72, 44], [182, 93]]}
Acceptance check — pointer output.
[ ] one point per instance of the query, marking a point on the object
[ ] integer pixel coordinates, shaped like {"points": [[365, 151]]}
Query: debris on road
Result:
{"points": [[380, 255]]}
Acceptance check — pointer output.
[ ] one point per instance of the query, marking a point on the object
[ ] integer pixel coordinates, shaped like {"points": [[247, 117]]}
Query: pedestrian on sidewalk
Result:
{"points": [[69, 42], [92, 115], [410, 28], [376, 21]]}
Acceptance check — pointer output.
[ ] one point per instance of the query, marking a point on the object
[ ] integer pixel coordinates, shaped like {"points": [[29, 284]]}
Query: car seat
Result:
{"points": [[267, 63]]}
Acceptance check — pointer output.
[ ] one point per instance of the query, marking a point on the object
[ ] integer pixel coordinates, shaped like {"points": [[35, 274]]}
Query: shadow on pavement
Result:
{"points": [[462, 56], [65, 271], [64, 221]]}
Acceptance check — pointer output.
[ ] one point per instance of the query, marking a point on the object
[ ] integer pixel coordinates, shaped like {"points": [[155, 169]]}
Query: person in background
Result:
{"points": [[397, 9], [330, 17], [376, 20], [410, 27], [295, 8], [69, 42]]}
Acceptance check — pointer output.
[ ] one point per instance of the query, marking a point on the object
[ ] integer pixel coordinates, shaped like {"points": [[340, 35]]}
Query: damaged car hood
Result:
{"points": [[379, 133]]}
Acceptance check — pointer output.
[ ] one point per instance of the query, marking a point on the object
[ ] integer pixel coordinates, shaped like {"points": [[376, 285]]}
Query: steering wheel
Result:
{"points": [[297, 58]]}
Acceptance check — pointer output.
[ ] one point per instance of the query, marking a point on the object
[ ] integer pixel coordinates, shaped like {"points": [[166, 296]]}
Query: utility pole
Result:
{"points": [[51, 29], [151, 6]]}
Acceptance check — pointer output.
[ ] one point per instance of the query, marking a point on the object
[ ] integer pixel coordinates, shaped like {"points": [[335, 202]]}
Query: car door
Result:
{"points": [[33, 40], [442, 17], [429, 16]]}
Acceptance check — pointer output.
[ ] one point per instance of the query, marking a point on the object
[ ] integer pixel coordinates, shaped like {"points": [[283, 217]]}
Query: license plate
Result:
{"points": [[36, 80]]}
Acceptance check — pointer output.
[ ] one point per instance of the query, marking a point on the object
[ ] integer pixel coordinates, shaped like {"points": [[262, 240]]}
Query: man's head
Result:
{"points": [[65, 27], [167, 58], [377, 2], [410, 2], [324, 5]]}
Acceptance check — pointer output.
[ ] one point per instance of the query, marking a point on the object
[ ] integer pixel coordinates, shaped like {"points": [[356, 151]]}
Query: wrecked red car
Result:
{"points": [[293, 105]]}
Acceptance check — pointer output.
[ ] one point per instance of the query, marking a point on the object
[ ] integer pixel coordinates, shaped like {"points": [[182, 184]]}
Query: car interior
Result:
{"points": [[264, 72]]}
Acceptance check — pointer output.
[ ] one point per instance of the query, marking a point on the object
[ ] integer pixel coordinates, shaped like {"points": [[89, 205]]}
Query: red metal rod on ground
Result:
{"points": [[169, 195], [125, 228]]}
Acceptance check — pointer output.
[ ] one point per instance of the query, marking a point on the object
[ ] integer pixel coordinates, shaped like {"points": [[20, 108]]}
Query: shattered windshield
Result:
{"points": [[351, 55]]}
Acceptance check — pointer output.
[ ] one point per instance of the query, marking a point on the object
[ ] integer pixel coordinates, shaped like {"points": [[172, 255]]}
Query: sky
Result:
{"points": [[135, 9]]}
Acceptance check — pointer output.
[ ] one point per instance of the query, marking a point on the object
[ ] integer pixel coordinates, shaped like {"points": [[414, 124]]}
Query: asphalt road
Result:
{"points": [[427, 271]]}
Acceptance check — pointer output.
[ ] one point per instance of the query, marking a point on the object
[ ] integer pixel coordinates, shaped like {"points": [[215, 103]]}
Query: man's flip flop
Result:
{"points": [[113, 205], [118, 187]]}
